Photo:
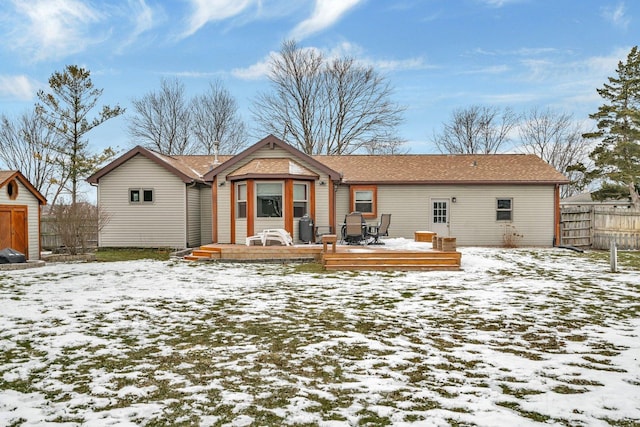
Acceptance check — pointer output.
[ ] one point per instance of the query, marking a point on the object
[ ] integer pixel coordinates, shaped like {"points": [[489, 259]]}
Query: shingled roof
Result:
{"points": [[188, 168], [444, 169], [272, 167], [359, 169]]}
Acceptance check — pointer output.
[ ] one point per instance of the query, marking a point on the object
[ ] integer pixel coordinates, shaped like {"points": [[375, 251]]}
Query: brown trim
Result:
{"points": [[453, 182], [312, 200], [18, 175], [267, 176], [40, 231], [557, 215], [148, 154], [214, 210], [271, 142], [374, 202], [232, 227], [251, 207], [288, 205]]}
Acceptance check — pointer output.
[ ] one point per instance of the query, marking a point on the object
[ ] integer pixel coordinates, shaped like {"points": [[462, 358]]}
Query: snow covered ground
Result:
{"points": [[519, 337]]}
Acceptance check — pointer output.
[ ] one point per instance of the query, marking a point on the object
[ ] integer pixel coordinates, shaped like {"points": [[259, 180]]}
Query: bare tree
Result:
{"points": [[28, 146], [162, 120], [77, 224], [325, 107], [216, 122], [476, 130], [557, 139]]}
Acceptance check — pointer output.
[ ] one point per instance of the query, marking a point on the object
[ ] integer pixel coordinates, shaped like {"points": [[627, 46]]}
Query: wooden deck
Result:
{"points": [[344, 258]]}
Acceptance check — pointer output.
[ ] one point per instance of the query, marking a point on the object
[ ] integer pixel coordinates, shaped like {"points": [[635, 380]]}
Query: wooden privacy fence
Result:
{"points": [[52, 241], [597, 227]]}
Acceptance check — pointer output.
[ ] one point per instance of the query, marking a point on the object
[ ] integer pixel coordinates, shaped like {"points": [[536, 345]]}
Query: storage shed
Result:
{"points": [[20, 204]]}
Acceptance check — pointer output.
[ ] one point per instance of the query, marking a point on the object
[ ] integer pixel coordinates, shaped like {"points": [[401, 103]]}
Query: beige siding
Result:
{"points": [[205, 216], [223, 218], [26, 198], [193, 217], [224, 213], [473, 216], [322, 201], [158, 224]]}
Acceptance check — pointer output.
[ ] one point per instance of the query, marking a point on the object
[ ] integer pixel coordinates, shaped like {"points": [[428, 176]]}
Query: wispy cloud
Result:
{"points": [[44, 29], [325, 14], [617, 16], [498, 3], [255, 71], [142, 18], [205, 11], [16, 87], [342, 50]]}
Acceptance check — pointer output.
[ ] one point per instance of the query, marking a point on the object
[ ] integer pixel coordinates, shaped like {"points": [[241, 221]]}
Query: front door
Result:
{"points": [[13, 228], [440, 217]]}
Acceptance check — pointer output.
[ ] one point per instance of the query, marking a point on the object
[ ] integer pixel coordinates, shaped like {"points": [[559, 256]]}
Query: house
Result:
{"points": [[20, 204], [178, 201], [585, 199]]}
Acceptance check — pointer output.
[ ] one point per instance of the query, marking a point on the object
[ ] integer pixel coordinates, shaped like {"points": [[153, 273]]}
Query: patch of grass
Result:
{"points": [[564, 389], [518, 392], [132, 254], [627, 259], [308, 268], [535, 416]]}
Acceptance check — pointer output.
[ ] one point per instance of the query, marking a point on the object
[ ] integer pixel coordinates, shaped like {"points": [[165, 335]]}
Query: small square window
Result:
{"points": [[137, 195]]}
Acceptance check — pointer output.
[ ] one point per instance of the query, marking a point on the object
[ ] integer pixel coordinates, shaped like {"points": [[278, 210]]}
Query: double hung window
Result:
{"points": [[300, 200], [241, 201], [504, 209]]}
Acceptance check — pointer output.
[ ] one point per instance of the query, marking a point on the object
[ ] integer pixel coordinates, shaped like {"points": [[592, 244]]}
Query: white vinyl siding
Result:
{"points": [[26, 198], [193, 217], [158, 224], [205, 216], [472, 218]]}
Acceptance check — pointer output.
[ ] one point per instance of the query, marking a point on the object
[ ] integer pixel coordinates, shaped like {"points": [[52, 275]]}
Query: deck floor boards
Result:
{"points": [[344, 258]]}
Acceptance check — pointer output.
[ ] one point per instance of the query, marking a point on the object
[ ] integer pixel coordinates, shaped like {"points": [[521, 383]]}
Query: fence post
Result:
{"points": [[613, 256]]}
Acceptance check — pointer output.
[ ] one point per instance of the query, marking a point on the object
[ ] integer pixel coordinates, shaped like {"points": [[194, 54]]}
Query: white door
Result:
{"points": [[440, 217]]}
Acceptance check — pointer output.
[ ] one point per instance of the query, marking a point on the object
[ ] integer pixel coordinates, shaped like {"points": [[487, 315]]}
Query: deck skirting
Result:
{"points": [[343, 258]]}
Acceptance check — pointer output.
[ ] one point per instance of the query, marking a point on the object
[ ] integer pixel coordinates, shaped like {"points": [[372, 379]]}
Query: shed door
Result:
{"points": [[13, 228], [440, 216]]}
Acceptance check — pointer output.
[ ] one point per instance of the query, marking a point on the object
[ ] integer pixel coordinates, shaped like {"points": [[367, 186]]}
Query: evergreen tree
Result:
{"points": [[66, 111], [617, 156]]}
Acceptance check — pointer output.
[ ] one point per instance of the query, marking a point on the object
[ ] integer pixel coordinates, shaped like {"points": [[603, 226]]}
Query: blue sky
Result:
{"points": [[438, 55]]}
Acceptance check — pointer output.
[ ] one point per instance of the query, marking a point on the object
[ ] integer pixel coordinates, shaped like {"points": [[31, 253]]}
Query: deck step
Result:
{"points": [[392, 260], [395, 267]]}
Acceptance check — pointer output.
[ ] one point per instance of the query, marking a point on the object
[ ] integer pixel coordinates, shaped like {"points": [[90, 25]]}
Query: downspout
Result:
{"points": [[557, 216], [98, 207], [186, 210]]}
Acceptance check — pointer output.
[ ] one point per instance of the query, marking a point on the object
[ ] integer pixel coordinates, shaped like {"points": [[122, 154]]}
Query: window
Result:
{"points": [[12, 189], [504, 211], [269, 200], [300, 200], [363, 199], [137, 195], [241, 201]]}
